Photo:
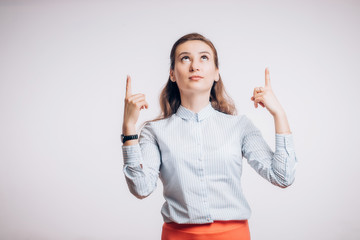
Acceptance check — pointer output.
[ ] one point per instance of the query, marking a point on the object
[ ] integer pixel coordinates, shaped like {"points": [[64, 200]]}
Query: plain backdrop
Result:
{"points": [[63, 67]]}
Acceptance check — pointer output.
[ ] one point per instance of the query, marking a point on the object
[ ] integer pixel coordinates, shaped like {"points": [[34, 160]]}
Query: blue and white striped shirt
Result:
{"points": [[198, 157]]}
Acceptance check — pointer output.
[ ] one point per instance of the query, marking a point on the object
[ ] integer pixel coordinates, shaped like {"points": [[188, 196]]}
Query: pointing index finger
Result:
{"points": [[128, 86], [267, 77]]}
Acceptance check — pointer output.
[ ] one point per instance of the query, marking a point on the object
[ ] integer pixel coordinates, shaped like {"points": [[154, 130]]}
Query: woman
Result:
{"points": [[197, 145]]}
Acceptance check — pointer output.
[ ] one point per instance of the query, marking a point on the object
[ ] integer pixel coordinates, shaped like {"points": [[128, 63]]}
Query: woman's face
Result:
{"points": [[194, 70]]}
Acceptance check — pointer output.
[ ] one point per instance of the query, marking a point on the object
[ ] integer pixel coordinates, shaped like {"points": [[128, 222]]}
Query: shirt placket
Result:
{"points": [[202, 173]]}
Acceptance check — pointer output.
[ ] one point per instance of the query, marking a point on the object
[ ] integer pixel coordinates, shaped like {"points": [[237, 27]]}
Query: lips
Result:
{"points": [[196, 77]]}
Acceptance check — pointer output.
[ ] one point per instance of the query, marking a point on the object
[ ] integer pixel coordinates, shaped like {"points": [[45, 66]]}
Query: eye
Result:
{"points": [[204, 57], [185, 58]]}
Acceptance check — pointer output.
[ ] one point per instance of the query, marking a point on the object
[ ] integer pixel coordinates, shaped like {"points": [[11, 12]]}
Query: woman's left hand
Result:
{"points": [[266, 97]]}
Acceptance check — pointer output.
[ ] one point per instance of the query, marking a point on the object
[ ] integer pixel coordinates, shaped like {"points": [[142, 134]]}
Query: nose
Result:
{"points": [[194, 66]]}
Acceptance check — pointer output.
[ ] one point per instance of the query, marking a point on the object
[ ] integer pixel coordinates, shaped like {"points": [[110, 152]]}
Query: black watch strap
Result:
{"points": [[126, 138]]}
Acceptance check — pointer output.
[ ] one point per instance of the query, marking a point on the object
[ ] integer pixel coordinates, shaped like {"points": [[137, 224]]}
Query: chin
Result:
{"points": [[196, 90]]}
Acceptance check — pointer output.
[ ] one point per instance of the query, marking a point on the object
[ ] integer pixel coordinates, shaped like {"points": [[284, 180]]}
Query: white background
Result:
{"points": [[63, 67]]}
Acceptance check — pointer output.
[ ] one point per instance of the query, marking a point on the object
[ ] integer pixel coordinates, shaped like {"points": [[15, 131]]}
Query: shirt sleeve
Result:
{"points": [[277, 167], [142, 181]]}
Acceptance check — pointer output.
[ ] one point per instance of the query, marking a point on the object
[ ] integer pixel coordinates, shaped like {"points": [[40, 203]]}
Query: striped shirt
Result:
{"points": [[198, 157]]}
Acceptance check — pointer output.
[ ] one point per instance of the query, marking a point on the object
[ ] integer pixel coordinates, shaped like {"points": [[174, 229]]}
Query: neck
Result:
{"points": [[194, 102]]}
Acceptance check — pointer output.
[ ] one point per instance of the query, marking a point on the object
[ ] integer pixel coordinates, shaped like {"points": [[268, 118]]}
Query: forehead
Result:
{"points": [[193, 46]]}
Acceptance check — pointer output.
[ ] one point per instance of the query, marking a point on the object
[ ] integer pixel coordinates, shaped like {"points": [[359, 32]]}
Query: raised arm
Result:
{"points": [[141, 157], [277, 167]]}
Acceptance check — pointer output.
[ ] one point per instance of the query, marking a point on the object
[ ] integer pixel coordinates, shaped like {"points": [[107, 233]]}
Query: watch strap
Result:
{"points": [[129, 137]]}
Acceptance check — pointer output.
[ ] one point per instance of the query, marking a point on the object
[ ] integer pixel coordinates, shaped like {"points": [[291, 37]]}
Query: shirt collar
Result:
{"points": [[187, 114]]}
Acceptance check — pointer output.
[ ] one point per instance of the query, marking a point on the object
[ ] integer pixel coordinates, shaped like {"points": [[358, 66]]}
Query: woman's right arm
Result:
{"points": [[141, 174]]}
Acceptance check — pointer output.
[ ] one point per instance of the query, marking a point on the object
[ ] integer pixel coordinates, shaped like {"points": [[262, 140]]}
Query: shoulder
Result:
{"points": [[154, 129], [158, 122], [241, 119], [154, 125]]}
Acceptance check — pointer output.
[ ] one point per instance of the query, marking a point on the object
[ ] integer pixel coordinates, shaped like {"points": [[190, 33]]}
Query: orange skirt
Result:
{"points": [[218, 230]]}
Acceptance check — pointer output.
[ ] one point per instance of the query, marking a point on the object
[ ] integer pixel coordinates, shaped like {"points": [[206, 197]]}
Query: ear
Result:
{"points": [[172, 76], [217, 75]]}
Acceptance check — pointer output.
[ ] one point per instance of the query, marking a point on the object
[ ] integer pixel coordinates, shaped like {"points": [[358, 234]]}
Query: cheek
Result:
{"points": [[211, 71], [180, 71]]}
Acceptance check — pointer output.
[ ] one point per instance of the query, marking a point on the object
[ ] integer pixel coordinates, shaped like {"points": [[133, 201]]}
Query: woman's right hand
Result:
{"points": [[133, 105]]}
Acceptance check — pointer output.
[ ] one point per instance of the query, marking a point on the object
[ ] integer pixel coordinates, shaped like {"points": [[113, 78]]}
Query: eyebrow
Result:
{"points": [[189, 53]]}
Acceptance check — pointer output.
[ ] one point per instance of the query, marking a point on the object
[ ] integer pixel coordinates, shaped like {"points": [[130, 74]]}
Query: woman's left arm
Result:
{"points": [[266, 98], [278, 167]]}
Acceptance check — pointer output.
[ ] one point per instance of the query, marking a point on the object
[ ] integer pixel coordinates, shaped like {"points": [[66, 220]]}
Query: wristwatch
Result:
{"points": [[130, 137]]}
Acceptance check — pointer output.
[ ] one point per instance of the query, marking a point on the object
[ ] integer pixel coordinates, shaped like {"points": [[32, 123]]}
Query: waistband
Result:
{"points": [[215, 227]]}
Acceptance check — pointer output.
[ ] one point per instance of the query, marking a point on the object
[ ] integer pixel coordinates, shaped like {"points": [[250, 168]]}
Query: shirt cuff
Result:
{"points": [[284, 141], [132, 154]]}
